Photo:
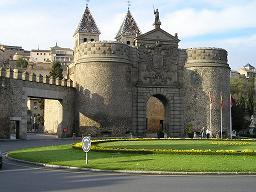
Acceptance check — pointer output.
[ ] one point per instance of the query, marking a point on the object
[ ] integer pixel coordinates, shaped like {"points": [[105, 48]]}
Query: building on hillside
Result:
{"points": [[11, 50], [235, 74], [41, 60], [10, 54], [63, 55], [40, 56], [248, 70]]}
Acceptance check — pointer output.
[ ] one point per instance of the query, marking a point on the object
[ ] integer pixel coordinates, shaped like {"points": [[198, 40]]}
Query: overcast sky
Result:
{"points": [[229, 24]]}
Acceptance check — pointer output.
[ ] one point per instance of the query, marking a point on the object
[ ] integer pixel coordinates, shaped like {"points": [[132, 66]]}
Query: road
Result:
{"points": [[27, 178]]}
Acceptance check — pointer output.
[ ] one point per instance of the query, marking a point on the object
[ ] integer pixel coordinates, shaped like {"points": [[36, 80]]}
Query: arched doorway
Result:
{"points": [[156, 115]]}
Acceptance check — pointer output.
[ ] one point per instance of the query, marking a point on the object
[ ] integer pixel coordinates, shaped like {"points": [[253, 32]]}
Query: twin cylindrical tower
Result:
{"points": [[207, 90], [102, 73]]}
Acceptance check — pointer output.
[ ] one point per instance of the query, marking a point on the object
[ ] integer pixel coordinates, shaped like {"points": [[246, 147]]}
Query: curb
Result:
{"points": [[163, 173]]}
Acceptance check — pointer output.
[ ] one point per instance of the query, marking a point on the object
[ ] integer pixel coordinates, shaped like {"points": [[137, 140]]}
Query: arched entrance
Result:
{"points": [[156, 115]]}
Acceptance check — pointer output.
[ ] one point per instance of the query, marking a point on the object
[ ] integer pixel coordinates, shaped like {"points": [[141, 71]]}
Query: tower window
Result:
{"points": [[92, 39], [128, 42], [85, 39]]}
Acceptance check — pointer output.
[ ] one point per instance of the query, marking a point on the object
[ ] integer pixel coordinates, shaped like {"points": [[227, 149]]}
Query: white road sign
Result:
{"points": [[86, 144]]}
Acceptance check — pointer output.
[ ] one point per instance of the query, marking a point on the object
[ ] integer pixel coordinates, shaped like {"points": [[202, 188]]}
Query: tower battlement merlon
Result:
{"points": [[104, 49], [25, 76], [207, 56]]}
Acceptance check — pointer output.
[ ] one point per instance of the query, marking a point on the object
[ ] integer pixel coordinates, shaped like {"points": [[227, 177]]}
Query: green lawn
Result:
{"points": [[66, 155], [183, 144]]}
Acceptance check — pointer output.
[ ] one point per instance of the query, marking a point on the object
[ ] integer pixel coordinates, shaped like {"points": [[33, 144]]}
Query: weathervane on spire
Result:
{"points": [[129, 4], [87, 2]]}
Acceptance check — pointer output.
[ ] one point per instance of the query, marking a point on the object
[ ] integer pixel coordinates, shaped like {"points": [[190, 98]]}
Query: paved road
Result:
{"points": [[22, 177]]}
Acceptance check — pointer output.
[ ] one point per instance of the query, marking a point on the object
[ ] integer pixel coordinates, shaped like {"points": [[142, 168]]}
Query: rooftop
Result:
{"points": [[129, 26], [87, 23]]}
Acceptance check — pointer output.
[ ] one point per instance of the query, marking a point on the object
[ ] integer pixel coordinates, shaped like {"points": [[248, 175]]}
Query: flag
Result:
{"points": [[210, 99], [232, 101], [210, 114], [221, 101]]}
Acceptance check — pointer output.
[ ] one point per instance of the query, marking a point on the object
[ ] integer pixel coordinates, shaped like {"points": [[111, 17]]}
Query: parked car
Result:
{"points": [[1, 160]]}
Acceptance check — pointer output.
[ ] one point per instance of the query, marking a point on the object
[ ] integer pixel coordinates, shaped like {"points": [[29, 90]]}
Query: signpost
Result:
{"points": [[86, 147]]}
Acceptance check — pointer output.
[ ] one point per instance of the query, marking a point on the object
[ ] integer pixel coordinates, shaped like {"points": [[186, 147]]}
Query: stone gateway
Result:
{"points": [[113, 82]]}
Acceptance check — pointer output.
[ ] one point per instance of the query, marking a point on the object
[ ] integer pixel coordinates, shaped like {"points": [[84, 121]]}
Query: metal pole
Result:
{"points": [[210, 122], [230, 115], [221, 124], [210, 127], [221, 117]]}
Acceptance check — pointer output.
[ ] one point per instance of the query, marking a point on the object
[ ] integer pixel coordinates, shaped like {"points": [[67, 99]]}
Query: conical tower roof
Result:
{"points": [[129, 26], [87, 23]]}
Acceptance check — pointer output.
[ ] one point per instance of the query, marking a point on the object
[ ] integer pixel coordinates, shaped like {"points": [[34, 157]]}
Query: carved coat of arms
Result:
{"points": [[158, 65]]}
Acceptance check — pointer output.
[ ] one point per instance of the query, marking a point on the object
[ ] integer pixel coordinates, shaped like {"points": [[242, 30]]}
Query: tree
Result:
{"points": [[56, 71], [22, 63], [242, 90]]}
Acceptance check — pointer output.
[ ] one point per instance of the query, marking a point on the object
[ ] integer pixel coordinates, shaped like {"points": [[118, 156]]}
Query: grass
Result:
{"points": [[182, 144], [66, 155]]}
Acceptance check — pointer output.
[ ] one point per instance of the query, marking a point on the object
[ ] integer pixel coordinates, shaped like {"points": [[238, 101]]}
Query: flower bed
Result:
{"points": [[96, 147]]}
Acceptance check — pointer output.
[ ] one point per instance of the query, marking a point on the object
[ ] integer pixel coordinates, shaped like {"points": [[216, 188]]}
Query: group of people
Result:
{"points": [[205, 133]]}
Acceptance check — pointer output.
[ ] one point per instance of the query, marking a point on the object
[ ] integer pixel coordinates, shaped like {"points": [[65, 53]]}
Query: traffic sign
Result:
{"points": [[86, 144], [86, 147]]}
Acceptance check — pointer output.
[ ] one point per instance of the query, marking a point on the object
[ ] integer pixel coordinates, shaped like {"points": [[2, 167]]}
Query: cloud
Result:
{"points": [[34, 28], [45, 22], [193, 22], [241, 50], [7, 2]]}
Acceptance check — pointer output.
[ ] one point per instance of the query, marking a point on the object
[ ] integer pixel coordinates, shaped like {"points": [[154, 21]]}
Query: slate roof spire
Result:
{"points": [[87, 23], [129, 26]]}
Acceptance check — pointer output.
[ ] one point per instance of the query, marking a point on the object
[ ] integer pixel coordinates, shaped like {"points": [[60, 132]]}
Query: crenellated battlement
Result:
{"points": [[25, 76], [103, 49], [207, 55]]}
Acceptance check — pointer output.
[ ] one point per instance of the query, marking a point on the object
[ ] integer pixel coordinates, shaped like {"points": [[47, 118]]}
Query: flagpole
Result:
{"points": [[230, 116], [221, 116], [210, 98]]}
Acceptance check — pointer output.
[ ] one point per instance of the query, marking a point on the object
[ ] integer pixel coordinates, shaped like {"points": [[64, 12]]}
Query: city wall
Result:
{"points": [[17, 87]]}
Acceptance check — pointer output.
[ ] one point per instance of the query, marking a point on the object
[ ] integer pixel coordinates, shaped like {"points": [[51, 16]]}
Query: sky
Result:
{"points": [[228, 24]]}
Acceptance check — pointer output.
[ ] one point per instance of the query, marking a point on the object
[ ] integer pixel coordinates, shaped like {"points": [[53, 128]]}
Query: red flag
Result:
{"points": [[232, 101]]}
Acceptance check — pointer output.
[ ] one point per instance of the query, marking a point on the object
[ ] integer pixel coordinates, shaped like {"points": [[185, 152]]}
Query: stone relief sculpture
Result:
{"points": [[156, 12], [159, 64]]}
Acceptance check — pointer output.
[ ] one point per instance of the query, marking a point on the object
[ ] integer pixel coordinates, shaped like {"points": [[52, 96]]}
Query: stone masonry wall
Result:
{"points": [[207, 75], [22, 85], [53, 116], [172, 100], [5, 110], [103, 80]]}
